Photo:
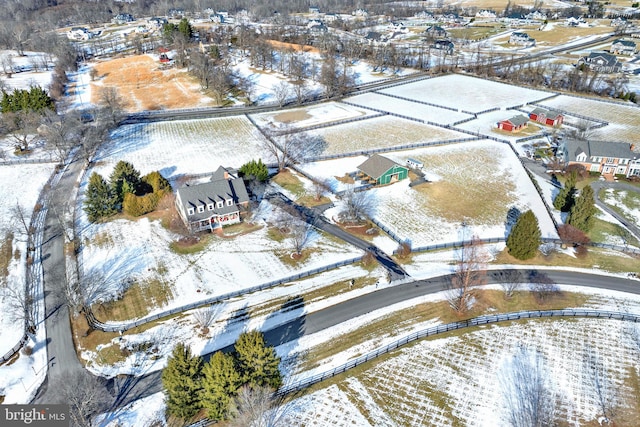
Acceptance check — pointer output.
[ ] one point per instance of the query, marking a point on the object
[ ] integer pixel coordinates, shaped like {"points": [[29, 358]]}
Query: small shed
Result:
{"points": [[414, 164], [514, 124], [382, 170], [546, 117]]}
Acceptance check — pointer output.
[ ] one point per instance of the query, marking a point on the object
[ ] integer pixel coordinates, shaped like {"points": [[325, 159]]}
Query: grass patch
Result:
{"points": [[135, 302], [289, 258], [190, 245], [346, 179], [6, 253], [601, 230], [595, 258], [275, 234], [395, 324], [311, 201], [289, 182], [292, 116]]}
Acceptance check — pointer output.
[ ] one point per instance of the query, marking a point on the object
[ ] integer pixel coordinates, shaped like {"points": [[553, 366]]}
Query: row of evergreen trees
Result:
{"points": [[192, 385], [32, 99], [126, 191], [524, 239]]}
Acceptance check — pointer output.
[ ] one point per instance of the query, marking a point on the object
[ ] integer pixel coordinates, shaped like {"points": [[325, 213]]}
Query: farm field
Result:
{"points": [[463, 379], [432, 213], [466, 93], [380, 132], [182, 147], [145, 86], [407, 108], [323, 113], [623, 119]]}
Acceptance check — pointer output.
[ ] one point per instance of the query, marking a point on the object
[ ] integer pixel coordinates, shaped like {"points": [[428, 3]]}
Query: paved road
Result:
{"points": [[600, 185], [61, 354], [134, 388]]}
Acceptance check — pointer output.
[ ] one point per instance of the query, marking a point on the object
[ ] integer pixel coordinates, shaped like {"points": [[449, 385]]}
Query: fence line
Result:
{"points": [[124, 326], [328, 124], [453, 326]]}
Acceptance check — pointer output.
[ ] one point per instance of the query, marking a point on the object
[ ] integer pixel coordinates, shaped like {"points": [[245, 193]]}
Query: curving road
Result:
{"points": [[130, 388]]}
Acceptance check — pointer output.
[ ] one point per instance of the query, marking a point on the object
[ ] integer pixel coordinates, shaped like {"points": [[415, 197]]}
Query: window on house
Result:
{"points": [[210, 206], [229, 202], [609, 159], [190, 211], [201, 208], [220, 204]]}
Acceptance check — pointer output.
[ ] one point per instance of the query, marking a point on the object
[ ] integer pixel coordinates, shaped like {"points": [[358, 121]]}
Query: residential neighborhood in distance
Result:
{"points": [[369, 214]]}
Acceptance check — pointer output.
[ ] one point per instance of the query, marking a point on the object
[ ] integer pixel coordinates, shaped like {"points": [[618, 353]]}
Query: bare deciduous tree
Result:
{"points": [[599, 380], [21, 308], [85, 395], [358, 205], [542, 286], [60, 132], [528, 396], [320, 188], [469, 275], [259, 407], [205, 316], [288, 147], [299, 235], [510, 281], [282, 92], [21, 127], [112, 105]]}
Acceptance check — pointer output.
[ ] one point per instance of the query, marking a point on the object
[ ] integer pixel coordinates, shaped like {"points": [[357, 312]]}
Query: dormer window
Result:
{"points": [[220, 204], [229, 202], [210, 206], [190, 211], [201, 208]]}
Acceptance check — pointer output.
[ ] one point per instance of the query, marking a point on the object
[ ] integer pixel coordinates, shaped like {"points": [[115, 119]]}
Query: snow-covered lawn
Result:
{"points": [[467, 93], [623, 119], [124, 252], [408, 108], [626, 202], [380, 132], [326, 112], [20, 184], [26, 75], [474, 182], [182, 147]]}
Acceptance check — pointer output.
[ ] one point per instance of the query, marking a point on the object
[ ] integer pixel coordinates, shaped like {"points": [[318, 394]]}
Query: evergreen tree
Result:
{"points": [[99, 201], [181, 381], [254, 170], [565, 198], [256, 362], [524, 239], [220, 383], [124, 179], [583, 211], [185, 28], [35, 99]]}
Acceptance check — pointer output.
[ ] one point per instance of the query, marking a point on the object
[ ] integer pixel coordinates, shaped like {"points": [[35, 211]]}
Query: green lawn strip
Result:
{"points": [[601, 230]]}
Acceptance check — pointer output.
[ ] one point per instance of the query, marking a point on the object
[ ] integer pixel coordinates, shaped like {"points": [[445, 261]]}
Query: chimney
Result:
{"points": [[226, 174]]}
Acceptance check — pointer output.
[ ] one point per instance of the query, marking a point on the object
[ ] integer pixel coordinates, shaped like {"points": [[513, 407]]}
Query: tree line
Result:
{"points": [[220, 387]]}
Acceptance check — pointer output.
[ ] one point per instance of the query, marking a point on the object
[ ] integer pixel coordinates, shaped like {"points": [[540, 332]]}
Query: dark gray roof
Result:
{"points": [[219, 189], [621, 150], [546, 112], [518, 120], [628, 43], [608, 58], [376, 165]]}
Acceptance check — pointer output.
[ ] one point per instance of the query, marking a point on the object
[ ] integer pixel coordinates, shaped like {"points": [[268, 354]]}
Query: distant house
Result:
{"points": [[314, 10], [575, 22], [210, 205], [217, 18], [414, 164], [79, 34], [514, 124], [623, 47], [382, 170], [522, 39], [486, 13], [330, 17], [157, 23], [436, 31], [601, 61], [374, 37], [605, 157], [546, 117], [536, 15], [123, 18], [444, 45]]}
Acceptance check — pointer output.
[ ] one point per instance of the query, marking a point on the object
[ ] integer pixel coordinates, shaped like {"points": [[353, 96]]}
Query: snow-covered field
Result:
{"points": [[625, 201], [182, 147], [26, 74], [408, 108], [467, 93], [380, 132], [623, 119], [324, 113], [29, 179]]}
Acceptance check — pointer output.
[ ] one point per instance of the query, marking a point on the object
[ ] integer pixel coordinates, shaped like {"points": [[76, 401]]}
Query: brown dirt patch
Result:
{"points": [[292, 116], [145, 86], [294, 46]]}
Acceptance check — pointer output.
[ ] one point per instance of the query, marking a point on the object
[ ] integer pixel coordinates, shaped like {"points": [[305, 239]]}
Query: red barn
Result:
{"points": [[514, 124], [546, 117]]}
